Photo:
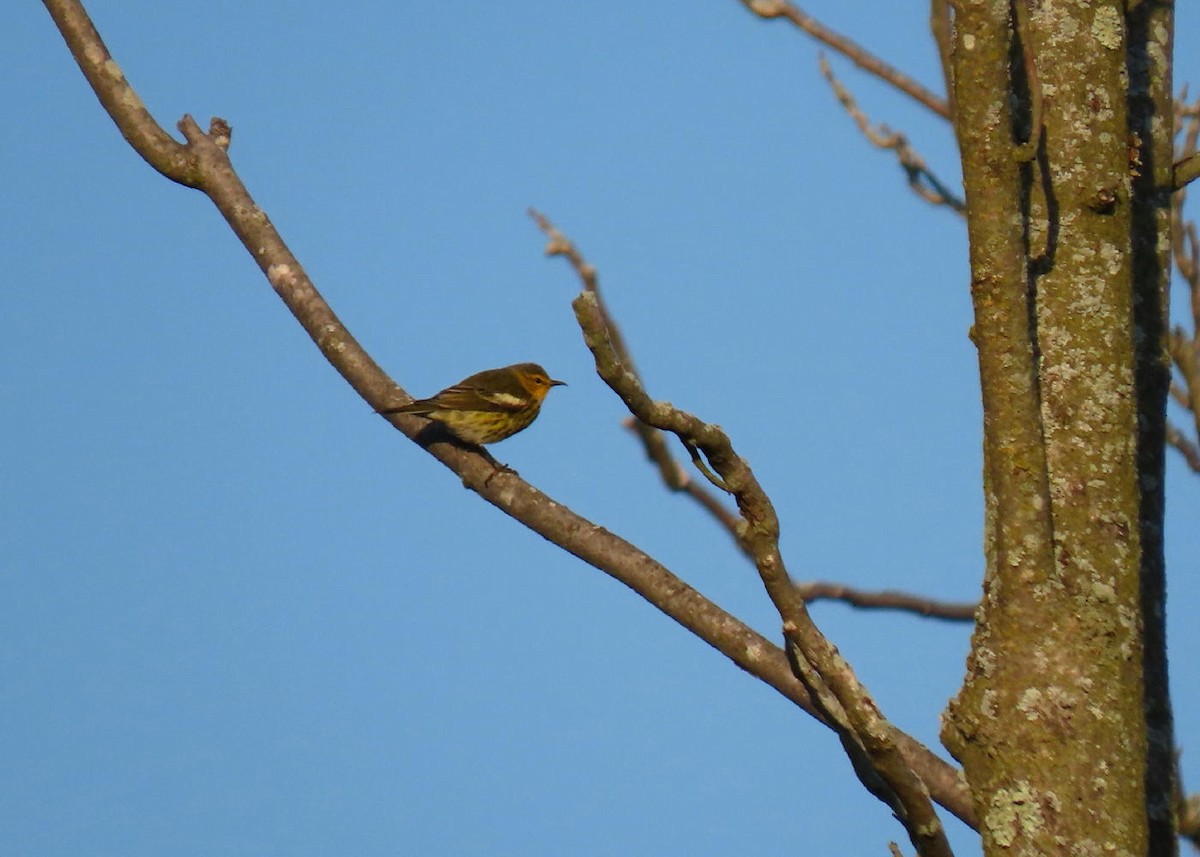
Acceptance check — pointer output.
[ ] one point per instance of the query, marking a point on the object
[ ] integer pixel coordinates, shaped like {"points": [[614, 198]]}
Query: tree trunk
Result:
{"points": [[1064, 120]]}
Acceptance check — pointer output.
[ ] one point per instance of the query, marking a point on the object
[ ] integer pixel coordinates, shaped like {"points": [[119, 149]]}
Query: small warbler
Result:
{"points": [[488, 406]]}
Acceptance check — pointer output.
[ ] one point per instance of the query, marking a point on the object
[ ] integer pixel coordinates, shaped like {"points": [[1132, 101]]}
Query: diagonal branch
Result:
{"points": [[920, 178], [118, 98], [676, 478], [1189, 450], [851, 50], [1186, 171]]}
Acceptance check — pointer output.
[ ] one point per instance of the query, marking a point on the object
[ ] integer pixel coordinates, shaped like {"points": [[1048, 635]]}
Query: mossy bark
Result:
{"points": [[1064, 121]]}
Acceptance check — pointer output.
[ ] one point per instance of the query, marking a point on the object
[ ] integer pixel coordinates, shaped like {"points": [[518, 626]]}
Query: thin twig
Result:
{"points": [[1181, 396], [920, 178], [854, 52], [1185, 252], [707, 500], [1189, 450], [653, 440], [1187, 362], [887, 600], [1187, 158]]}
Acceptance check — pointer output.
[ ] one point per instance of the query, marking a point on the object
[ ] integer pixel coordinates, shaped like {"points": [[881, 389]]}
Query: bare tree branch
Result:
{"points": [[887, 600], [869, 739], [1187, 362], [1185, 253], [852, 51], [1187, 159], [653, 441], [920, 178], [1189, 820], [677, 479], [674, 476], [203, 163], [1189, 450], [118, 98], [1186, 171], [706, 499]]}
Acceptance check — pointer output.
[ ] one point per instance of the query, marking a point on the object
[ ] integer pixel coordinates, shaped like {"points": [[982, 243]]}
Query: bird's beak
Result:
{"points": [[554, 383]]}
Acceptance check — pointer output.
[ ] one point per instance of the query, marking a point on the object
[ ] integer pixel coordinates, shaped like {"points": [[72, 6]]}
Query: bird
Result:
{"points": [[488, 406]]}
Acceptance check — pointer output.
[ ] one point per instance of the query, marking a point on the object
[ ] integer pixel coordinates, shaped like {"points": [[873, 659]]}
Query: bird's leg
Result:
{"points": [[497, 467]]}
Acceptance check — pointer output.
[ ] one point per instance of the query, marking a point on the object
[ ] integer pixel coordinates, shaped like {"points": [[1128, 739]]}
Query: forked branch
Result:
{"points": [[868, 738], [677, 478]]}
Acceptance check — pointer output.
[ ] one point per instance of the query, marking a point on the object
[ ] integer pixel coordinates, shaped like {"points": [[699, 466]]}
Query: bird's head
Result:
{"points": [[535, 380]]}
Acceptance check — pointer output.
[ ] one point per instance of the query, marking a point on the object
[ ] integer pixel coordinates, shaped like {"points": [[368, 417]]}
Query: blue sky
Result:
{"points": [[242, 615]]}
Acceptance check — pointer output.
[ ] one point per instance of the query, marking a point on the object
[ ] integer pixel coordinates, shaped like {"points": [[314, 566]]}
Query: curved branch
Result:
{"points": [[869, 739], [678, 479], [118, 98], [673, 475]]}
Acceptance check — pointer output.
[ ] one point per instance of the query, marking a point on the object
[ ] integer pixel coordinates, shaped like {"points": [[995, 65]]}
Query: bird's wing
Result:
{"points": [[469, 398]]}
